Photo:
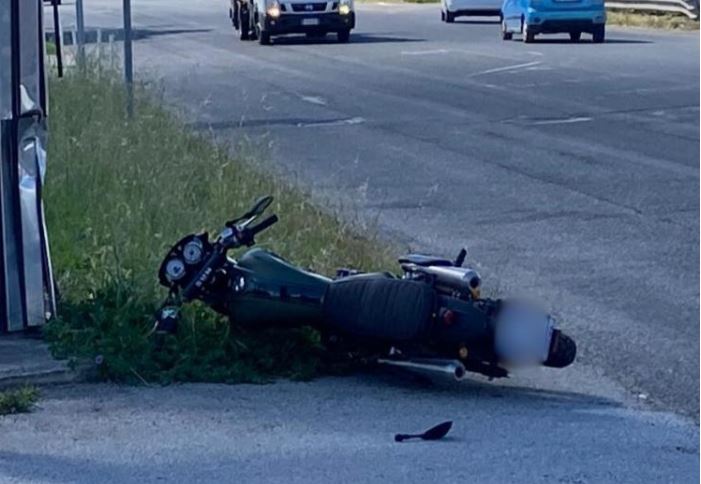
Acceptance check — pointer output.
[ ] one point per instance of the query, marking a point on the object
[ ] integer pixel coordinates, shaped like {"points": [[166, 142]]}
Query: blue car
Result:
{"points": [[531, 17]]}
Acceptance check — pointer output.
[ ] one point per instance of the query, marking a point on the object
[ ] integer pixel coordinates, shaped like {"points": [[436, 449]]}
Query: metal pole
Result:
{"points": [[80, 26], [58, 38], [128, 65]]}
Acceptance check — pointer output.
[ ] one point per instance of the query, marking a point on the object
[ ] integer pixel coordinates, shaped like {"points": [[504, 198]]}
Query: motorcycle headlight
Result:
{"points": [[274, 10], [345, 7]]}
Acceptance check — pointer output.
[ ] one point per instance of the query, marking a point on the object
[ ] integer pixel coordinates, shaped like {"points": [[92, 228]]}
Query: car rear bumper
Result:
{"points": [[325, 22], [473, 7], [584, 20]]}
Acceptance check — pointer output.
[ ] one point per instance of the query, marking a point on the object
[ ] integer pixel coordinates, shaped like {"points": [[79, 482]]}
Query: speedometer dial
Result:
{"points": [[175, 270], [192, 252]]}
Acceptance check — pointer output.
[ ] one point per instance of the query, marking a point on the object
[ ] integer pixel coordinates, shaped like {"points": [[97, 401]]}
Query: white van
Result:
{"points": [[263, 19], [450, 9]]}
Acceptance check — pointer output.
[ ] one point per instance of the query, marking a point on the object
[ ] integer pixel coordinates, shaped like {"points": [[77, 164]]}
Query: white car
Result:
{"points": [[450, 9]]}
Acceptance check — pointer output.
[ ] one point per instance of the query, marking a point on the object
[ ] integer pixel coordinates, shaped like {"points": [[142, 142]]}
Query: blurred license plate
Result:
{"points": [[310, 21]]}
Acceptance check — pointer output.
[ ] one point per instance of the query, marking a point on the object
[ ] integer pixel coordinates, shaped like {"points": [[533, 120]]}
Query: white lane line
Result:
{"points": [[319, 101], [425, 52], [338, 122], [581, 119], [506, 68]]}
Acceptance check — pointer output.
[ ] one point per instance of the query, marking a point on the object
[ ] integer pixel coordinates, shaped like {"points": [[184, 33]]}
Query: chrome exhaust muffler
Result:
{"points": [[429, 366]]}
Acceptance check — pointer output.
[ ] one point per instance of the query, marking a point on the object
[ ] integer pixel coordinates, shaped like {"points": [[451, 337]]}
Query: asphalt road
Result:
{"points": [[570, 171], [340, 431]]}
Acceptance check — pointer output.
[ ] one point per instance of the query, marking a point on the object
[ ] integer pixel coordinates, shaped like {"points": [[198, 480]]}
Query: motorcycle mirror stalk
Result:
{"points": [[259, 206]]}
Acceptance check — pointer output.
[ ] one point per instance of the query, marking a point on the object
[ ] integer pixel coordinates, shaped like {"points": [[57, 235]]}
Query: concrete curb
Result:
{"points": [[25, 359]]}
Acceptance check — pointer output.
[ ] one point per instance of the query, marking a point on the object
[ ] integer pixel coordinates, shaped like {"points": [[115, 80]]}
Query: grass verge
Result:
{"points": [[19, 400], [651, 20], [118, 193]]}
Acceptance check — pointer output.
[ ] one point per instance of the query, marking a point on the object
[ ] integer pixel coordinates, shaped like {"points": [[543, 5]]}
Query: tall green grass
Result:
{"points": [[119, 192]]}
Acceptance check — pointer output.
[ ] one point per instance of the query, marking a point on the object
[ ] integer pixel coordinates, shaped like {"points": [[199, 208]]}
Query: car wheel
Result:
{"points": [[264, 38], [343, 36], [244, 26], [528, 35], [575, 36], [449, 16], [599, 34], [442, 16], [505, 34]]}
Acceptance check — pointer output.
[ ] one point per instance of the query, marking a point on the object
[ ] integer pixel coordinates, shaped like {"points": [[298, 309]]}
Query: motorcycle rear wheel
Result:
{"points": [[562, 352]]}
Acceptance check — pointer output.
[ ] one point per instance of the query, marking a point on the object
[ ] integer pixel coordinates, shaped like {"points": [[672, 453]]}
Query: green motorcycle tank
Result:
{"points": [[271, 291]]}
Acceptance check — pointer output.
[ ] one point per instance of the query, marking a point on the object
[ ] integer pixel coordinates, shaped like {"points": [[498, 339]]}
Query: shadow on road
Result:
{"points": [[331, 39], [586, 41], [475, 389], [258, 123], [495, 21]]}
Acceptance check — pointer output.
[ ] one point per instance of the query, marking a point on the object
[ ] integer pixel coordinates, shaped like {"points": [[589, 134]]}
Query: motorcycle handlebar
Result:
{"points": [[245, 236], [263, 225]]}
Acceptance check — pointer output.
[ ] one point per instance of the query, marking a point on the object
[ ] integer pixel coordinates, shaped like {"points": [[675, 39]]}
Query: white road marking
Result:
{"points": [[320, 101], [581, 119], [506, 68], [339, 122], [425, 52]]}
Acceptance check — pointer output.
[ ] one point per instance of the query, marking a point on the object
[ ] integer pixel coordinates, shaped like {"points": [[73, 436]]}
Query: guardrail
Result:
{"points": [[27, 293], [690, 9]]}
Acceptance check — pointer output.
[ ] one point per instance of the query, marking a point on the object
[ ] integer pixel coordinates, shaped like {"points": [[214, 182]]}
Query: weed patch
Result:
{"points": [[118, 193]]}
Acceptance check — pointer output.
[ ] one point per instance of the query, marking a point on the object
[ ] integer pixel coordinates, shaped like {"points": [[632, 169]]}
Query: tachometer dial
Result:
{"points": [[175, 270]]}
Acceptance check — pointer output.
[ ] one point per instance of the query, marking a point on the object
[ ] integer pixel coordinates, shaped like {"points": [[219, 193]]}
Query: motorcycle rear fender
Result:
{"points": [[462, 323]]}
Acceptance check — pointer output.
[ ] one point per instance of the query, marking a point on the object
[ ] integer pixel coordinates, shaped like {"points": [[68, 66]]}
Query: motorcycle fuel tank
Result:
{"points": [[268, 290]]}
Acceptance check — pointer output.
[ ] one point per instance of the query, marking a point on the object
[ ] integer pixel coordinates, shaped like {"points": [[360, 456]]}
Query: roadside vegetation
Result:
{"points": [[118, 193], [18, 400], [669, 21]]}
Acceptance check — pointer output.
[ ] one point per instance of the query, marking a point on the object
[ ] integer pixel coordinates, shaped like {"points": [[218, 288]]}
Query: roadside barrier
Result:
{"points": [[690, 9]]}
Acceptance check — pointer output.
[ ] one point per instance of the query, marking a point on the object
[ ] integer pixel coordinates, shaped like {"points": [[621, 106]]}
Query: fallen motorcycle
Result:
{"points": [[432, 318]]}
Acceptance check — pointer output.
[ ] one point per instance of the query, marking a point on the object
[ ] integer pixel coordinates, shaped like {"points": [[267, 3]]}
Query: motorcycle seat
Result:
{"points": [[425, 260], [380, 308]]}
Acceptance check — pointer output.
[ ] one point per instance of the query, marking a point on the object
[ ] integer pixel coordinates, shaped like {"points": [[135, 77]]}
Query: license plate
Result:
{"points": [[310, 21]]}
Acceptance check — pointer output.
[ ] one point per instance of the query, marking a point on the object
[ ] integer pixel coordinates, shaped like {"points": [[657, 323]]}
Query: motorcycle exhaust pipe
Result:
{"points": [[430, 366]]}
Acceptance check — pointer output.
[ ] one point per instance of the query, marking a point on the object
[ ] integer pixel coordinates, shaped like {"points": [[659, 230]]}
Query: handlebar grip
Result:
{"points": [[263, 225]]}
